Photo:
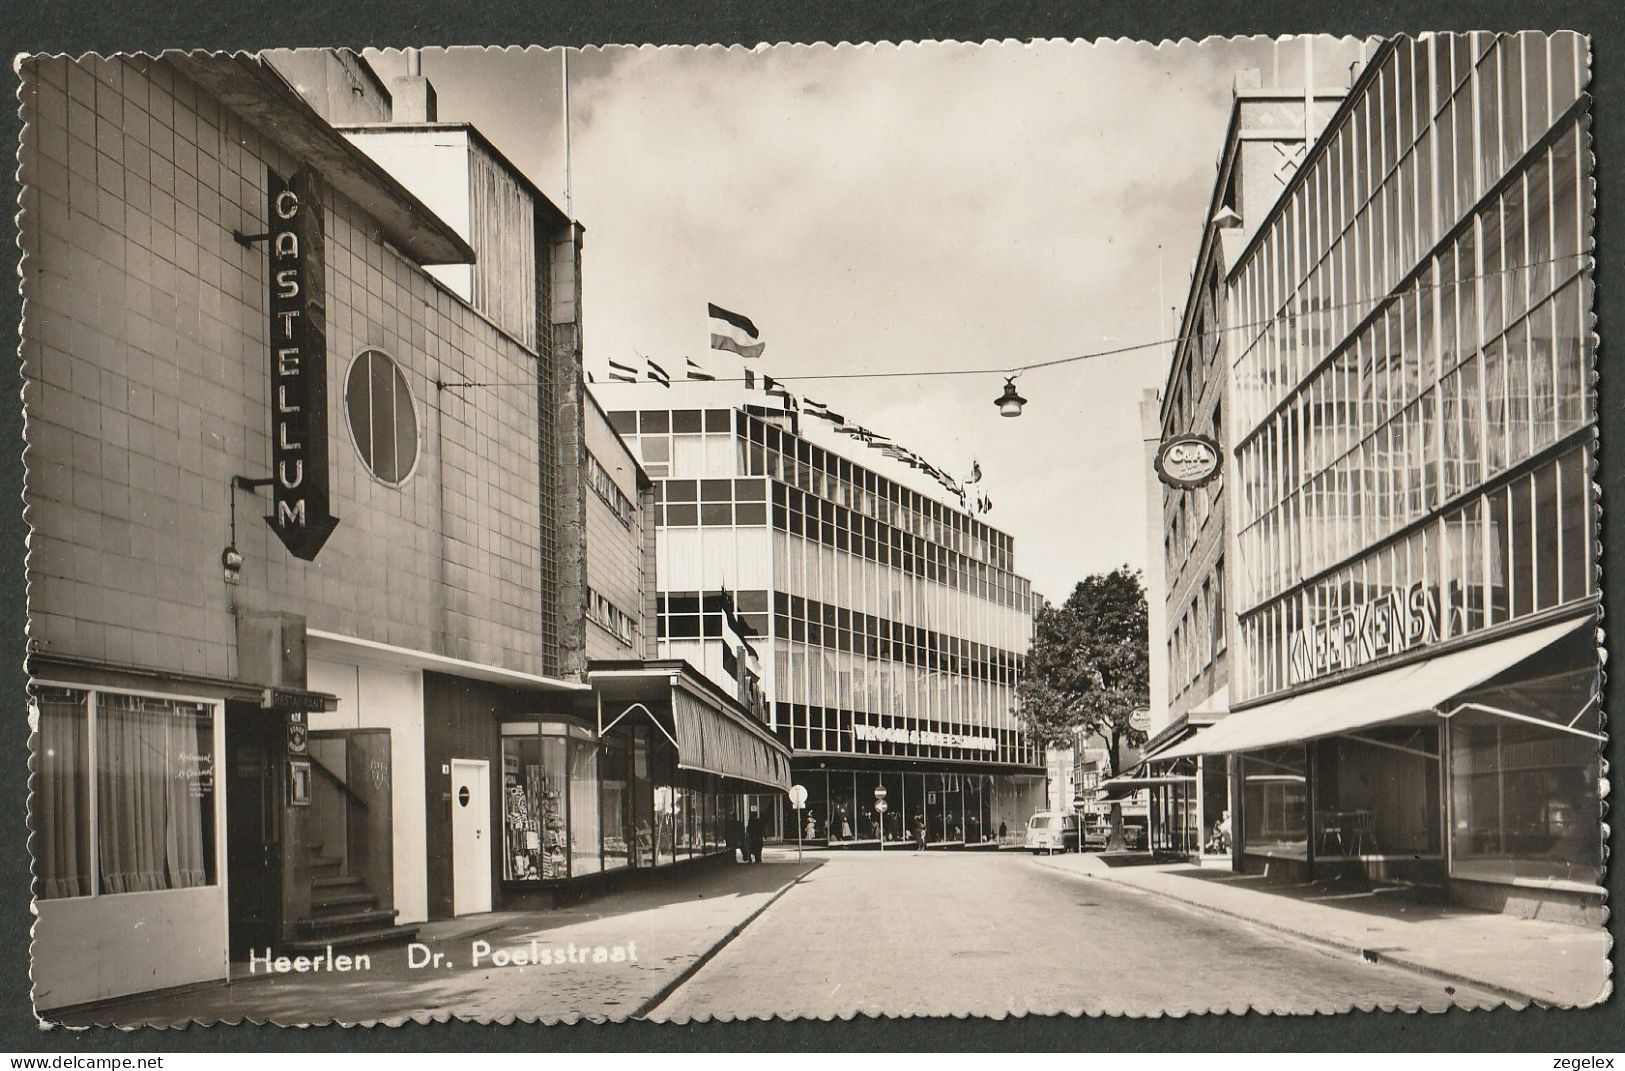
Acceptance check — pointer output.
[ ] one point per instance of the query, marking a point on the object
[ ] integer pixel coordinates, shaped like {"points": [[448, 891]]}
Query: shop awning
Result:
{"points": [[1118, 787], [1418, 688], [712, 731], [710, 742]]}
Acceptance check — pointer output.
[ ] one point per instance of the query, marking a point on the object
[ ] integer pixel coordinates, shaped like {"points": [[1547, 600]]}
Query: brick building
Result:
{"points": [[1269, 132]]}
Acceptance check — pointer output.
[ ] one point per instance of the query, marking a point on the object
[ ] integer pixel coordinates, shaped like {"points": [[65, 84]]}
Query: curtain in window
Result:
{"points": [[62, 795], [150, 791]]}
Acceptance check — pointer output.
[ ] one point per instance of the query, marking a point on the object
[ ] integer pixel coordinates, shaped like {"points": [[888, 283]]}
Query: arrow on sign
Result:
{"points": [[300, 514]]}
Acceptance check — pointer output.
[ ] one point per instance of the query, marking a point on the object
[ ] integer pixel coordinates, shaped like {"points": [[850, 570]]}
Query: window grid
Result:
{"points": [[1475, 368]]}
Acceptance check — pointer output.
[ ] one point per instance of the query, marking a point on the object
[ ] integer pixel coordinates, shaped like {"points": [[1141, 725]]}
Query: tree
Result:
{"points": [[1088, 668]]}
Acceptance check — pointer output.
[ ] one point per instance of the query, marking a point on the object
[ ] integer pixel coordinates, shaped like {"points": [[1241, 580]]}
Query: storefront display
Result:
{"points": [[575, 806], [953, 808], [1526, 791], [533, 790]]}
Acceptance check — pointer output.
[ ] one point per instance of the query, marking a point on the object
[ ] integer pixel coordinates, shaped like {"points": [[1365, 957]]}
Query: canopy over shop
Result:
{"points": [[1479, 767], [654, 774]]}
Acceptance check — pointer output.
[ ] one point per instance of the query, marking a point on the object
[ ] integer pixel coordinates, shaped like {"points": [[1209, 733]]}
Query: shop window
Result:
{"points": [[1275, 807], [1526, 796], [154, 785], [383, 419], [534, 787], [614, 767], [584, 817], [62, 796], [1377, 793], [665, 796]]}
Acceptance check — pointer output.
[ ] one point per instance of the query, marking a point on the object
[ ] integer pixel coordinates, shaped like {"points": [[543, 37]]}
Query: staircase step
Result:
{"points": [[325, 898], [337, 881], [347, 920], [381, 935]]}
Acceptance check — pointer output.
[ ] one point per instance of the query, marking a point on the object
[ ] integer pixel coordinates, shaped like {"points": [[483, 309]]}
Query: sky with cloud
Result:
{"points": [[899, 208]]}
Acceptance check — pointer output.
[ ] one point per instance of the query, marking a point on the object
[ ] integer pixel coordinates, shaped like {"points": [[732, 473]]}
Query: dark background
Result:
{"points": [[75, 26]]}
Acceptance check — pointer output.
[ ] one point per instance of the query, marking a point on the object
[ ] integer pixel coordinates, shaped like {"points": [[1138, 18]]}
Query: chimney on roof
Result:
{"points": [[412, 95]]}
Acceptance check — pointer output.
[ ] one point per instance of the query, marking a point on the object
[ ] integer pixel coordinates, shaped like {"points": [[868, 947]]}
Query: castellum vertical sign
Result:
{"points": [[300, 509]]}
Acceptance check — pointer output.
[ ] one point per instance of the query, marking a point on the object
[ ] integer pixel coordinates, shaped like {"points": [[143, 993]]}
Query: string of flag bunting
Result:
{"points": [[737, 334]]}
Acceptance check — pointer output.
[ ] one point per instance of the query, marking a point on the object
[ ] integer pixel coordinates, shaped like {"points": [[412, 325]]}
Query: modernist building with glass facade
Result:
{"points": [[1414, 671], [889, 625]]}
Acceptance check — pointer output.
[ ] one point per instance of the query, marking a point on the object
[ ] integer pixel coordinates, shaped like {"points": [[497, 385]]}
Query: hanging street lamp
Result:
{"points": [[1010, 402]]}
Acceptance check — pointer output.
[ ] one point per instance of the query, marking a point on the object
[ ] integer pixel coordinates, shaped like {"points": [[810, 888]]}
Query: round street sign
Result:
{"points": [[1079, 803], [798, 796], [880, 792], [1187, 461], [881, 806], [1140, 720]]}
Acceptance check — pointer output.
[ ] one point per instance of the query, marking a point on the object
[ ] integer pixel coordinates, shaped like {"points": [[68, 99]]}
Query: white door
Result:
{"points": [[470, 836]]}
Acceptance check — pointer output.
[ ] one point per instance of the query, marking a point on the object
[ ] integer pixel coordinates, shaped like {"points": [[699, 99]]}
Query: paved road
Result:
{"points": [[947, 933]]}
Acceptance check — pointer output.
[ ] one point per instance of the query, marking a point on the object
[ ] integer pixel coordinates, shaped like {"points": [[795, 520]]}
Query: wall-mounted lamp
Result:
{"points": [[1010, 402], [231, 559]]}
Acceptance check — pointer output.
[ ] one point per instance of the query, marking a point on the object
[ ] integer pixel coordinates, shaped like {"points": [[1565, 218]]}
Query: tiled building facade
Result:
{"points": [[246, 739]]}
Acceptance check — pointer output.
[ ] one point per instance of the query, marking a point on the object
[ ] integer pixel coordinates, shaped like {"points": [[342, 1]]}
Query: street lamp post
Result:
{"points": [[880, 812]]}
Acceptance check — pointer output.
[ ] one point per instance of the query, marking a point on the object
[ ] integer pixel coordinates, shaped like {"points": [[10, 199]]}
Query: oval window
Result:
{"points": [[383, 419]]}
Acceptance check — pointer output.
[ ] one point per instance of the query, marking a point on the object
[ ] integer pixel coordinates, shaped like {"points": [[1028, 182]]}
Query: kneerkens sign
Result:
{"points": [[1398, 621], [300, 512], [1187, 461]]}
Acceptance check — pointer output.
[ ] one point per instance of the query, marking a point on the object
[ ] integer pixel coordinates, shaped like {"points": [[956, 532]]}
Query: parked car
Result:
{"points": [[1097, 832], [1052, 831]]}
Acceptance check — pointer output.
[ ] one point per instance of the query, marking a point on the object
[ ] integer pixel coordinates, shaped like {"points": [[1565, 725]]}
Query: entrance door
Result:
{"points": [[470, 836], [256, 746]]}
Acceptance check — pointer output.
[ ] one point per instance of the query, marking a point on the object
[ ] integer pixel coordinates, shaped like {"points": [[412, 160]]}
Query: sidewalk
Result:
{"points": [[653, 938], [1526, 961]]}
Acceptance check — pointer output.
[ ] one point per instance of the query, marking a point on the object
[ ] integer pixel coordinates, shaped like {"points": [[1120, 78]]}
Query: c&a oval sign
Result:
{"points": [[1187, 461]]}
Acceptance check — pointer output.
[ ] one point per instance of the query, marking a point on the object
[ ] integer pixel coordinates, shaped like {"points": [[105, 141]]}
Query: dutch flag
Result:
{"points": [[734, 333]]}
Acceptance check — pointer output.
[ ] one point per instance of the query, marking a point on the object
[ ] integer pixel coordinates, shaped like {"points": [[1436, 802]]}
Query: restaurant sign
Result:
{"points": [[1398, 621], [1187, 461], [300, 515]]}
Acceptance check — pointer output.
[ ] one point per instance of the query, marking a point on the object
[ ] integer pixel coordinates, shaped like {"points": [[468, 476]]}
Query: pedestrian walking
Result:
{"points": [[754, 837], [919, 834]]}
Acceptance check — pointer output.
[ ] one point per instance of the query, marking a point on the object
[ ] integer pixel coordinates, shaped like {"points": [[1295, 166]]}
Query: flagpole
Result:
{"points": [[564, 94]]}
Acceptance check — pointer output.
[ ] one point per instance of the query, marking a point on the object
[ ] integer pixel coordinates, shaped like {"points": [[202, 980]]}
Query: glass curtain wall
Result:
{"points": [[1411, 332]]}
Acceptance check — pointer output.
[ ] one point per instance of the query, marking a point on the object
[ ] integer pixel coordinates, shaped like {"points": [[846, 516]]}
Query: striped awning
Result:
{"points": [[711, 742]]}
